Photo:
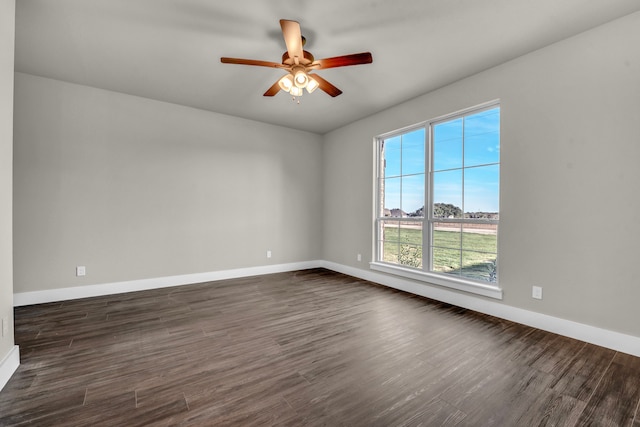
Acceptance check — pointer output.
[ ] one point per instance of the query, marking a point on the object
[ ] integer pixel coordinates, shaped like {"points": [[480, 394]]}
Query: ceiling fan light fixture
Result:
{"points": [[312, 85], [298, 63], [286, 83]]}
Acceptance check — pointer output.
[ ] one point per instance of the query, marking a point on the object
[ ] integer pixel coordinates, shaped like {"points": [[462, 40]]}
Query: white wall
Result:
{"points": [[570, 211], [134, 189], [7, 37]]}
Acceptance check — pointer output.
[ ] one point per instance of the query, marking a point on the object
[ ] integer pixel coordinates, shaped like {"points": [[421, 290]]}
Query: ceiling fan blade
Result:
{"points": [[273, 89], [343, 61], [251, 62], [292, 38], [326, 86]]}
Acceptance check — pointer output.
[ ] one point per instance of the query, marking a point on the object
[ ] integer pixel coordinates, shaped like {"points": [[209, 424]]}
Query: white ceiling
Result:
{"points": [[170, 50]]}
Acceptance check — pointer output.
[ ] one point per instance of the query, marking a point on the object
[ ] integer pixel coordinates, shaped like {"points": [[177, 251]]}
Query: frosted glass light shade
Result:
{"points": [[301, 79], [286, 83], [312, 85], [296, 91]]}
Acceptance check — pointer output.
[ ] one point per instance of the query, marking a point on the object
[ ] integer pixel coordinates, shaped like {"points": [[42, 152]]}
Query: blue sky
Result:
{"points": [[405, 167]]}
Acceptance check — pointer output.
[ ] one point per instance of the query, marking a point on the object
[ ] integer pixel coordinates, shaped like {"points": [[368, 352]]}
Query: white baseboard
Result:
{"points": [[64, 294], [8, 365], [605, 338], [591, 334]]}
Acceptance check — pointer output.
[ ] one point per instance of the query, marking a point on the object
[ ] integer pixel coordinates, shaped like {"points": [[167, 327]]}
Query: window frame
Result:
{"points": [[425, 273]]}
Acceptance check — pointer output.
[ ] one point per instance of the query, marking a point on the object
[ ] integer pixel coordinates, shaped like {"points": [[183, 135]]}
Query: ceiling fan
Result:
{"points": [[300, 64]]}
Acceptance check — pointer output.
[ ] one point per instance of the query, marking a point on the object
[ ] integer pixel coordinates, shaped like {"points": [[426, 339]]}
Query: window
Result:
{"points": [[437, 208]]}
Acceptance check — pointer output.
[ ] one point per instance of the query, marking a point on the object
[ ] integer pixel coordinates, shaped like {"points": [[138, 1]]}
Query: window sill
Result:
{"points": [[487, 290]]}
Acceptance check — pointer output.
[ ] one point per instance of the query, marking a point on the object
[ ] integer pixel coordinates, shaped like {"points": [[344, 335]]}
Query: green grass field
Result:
{"points": [[475, 261]]}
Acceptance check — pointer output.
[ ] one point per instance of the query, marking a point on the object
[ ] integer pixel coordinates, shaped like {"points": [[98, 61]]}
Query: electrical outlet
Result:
{"points": [[81, 270], [536, 292], [268, 254], [359, 257]]}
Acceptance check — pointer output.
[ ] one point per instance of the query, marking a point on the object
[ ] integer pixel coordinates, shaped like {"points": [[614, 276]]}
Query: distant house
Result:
{"points": [[396, 213]]}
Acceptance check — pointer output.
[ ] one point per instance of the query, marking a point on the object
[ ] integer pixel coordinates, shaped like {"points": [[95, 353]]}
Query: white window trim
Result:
{"points": [[475, 287], [460, 284]]}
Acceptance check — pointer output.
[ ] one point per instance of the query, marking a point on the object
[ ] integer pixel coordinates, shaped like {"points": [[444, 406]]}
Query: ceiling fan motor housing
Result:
{"points": [[307, 58]]}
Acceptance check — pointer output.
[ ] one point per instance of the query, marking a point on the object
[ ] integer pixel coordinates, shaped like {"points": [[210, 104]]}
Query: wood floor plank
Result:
{"points": [[615, 400], [582, 374], [303, 348]]}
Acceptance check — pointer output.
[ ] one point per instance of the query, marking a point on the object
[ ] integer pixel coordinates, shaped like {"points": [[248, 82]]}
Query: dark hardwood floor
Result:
{"points": [[312, 348]]}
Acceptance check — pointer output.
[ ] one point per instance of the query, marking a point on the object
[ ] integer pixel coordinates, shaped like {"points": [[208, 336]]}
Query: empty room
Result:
{"points": [[337, 213]]}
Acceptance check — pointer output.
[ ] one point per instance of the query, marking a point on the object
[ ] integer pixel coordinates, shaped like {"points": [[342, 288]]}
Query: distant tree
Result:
{"points": [[418, 212], [482, 215], [446, 210]]}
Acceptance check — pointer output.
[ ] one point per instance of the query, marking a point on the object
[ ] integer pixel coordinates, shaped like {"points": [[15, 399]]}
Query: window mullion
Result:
{"points": [[426, 234], [428, 229], [401, 179], [463, 168], [463, 198]]}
